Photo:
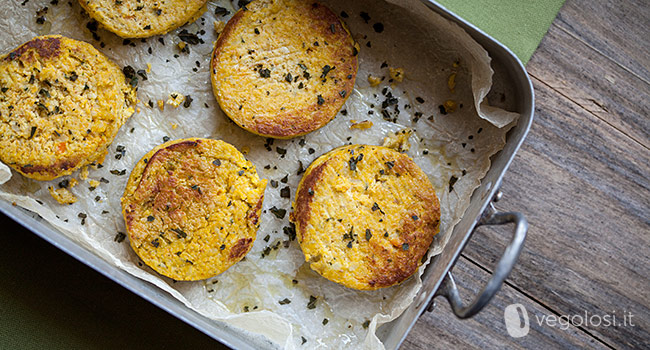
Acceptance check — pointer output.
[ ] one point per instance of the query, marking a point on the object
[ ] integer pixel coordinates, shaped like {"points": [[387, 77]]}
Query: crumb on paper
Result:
{"points": [[148, 67], [361, 125], [373, 80], [175, 99], [218, 26], [174, 126], [399, 140], [451, 82], [181, 45], [456, 64], [161, 105], [62, 195], [83, 174], [450, 106], [397, 74], [245, 150], [93, 183]]}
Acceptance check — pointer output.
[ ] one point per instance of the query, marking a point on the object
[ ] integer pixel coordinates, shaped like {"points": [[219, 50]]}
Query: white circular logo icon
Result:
{"points": [[516, 319]]}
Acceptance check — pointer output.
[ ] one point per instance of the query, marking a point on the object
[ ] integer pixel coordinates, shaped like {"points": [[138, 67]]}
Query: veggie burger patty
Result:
{"points": [[62, 103], [365, 216], [283, 68], [143, 18], [192, 208]]}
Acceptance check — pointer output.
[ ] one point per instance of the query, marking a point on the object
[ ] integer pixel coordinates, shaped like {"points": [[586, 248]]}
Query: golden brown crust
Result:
{"points": [[61, 105], [283, 68], [365, 216], [143, 18], [191, 208], [45, 47]]}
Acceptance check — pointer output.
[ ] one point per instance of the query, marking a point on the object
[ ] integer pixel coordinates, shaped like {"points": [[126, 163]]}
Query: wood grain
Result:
{"points": [[594, 82], [617, 29], [440, 329], [582, 180], [583, 186]]}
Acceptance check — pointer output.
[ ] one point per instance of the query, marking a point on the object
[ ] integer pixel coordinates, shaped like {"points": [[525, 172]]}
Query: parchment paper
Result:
{"points": [[453, 148]]}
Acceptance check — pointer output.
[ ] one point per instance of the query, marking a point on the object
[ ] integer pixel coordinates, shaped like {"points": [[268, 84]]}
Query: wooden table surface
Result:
{"points": [[581, 178]]}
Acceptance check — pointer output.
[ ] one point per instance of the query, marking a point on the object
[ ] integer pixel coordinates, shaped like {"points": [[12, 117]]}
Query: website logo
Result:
{"points": [[517, 322]]}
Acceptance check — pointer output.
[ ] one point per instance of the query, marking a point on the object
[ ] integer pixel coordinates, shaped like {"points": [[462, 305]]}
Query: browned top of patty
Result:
{"points": [[365, 216], [61, 105], [283, 68], [192, 208]]}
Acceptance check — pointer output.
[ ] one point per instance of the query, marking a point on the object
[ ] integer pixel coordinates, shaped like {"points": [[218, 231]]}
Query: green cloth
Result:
{"points": [[518, 24]]}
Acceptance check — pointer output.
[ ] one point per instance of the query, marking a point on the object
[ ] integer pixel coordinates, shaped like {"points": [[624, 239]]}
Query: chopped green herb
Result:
{"points": [[290, 231], [353, 161], [221, 11], [188, 37], [188, 101], [284, 301], [312, 302], [326, 69], [119, 237], [279, 213], [179, 233], [452, 182], [265, 73]]}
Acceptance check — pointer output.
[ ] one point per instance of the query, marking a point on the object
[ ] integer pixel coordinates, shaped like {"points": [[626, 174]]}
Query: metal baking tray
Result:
{"points": [[510, 80]]}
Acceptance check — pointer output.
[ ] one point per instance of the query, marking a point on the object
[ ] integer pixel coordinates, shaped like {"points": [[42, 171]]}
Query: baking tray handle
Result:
{"points": [[448, 288]]}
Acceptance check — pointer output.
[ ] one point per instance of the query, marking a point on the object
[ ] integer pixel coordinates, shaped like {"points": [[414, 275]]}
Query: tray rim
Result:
{"points": [[499, 52]]}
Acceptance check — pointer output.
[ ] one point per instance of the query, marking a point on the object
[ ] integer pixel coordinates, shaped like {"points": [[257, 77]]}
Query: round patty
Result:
{"points": [[365, 216], [143, 18], [283, 68], [61, 105], [192, 207]]}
